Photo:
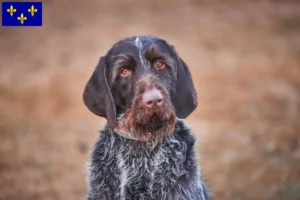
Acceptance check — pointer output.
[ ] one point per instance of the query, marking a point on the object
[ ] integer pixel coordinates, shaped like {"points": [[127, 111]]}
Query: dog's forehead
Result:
{"points": [[137, 45], [142, 42]]}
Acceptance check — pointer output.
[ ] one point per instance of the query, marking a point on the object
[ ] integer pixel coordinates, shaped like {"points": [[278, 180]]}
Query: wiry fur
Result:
{"points": [[127, 169], [145, 152]]}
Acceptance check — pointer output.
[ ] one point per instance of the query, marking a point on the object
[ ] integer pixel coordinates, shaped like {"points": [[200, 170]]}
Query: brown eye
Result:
{"points": [[125, 72], [159, 65]]}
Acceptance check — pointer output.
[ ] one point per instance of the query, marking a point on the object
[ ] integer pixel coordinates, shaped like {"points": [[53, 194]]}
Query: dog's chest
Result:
{"points": [[144, 174]]}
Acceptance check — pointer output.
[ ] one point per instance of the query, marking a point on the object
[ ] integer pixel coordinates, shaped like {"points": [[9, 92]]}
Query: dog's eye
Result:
{"points": [[159, 64], [125, 72]]}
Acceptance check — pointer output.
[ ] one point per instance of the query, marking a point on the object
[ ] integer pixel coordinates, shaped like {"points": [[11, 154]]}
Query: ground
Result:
{"points": [[244, 57]]}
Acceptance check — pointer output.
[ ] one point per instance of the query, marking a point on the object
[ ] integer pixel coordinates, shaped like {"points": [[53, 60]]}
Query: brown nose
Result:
{"points": [[152, 98]]}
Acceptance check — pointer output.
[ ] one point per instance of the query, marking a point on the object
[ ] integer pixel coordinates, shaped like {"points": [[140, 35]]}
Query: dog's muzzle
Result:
{"points": [[151, 115]]}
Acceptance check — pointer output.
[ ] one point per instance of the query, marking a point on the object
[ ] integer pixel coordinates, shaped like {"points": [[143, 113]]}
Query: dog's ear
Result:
{"points": [[97, 96], [186, 97]]}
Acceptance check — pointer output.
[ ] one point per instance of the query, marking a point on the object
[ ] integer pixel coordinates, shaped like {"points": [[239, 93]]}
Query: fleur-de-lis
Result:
{"points": [[22, 18], [11, 10], [32, 10]]}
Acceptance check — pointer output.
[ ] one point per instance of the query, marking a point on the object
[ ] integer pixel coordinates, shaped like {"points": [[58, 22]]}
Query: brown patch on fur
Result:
{"points": [[149, 124]]}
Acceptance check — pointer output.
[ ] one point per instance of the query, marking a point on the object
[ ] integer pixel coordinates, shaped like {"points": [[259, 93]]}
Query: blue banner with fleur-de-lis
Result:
{"points": [[22, 14]]}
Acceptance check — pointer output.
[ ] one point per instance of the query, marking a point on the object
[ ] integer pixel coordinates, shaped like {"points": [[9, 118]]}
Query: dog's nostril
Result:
{"points": [[152, 97], [159, 101], [149, 103]]}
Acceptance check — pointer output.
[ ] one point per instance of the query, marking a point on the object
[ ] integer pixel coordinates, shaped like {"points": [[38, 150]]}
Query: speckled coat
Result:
{"points": [[126, 169]]}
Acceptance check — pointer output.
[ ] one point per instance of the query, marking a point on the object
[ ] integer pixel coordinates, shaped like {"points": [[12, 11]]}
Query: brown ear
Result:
{"points": [[185, 100], [97, 96]]}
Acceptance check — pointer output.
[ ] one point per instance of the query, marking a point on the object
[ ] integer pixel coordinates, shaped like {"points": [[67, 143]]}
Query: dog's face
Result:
{"points": [[140, 86]]}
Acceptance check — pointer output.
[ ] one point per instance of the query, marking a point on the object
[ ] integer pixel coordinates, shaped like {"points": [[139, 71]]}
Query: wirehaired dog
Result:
{"points": [[143, 88]]}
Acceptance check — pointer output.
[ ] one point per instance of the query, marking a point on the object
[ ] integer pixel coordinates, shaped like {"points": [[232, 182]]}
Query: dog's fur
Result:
{"points": [[143, 153]]}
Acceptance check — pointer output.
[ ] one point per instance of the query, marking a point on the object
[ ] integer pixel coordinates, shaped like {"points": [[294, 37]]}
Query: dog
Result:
{"points": [[145, 152]]}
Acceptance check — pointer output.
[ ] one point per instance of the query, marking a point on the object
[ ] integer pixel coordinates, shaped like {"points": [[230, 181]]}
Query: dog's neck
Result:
{"points": [[123, 133]]}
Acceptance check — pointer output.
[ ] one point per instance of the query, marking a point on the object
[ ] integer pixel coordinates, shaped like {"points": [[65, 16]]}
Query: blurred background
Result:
{"points": [[245, 61]]}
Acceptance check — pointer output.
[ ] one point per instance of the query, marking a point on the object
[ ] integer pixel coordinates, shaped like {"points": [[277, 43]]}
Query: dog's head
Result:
{"points": [[140, 86]]}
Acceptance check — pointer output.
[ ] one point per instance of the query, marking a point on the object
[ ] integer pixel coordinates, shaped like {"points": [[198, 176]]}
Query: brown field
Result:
{"points": [[245, 60]]}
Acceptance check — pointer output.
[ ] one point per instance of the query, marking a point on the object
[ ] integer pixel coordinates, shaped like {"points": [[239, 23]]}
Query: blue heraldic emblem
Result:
{"points": [[22, 14]]}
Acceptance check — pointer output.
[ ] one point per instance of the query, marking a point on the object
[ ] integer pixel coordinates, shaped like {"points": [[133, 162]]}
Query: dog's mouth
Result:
{"points": [[153, 122], [148, 124]]}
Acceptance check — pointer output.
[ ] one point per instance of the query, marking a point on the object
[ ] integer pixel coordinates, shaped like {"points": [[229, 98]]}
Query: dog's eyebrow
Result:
{"points": [[120, 58], [153, 53], [120, 61]]}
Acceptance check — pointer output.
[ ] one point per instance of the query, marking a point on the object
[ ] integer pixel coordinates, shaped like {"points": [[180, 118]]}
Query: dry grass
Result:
{"points": [[244, 58]]}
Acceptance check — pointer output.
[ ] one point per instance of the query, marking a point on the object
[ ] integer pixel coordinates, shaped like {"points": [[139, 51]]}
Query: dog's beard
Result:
{"points": [[146, 124]]}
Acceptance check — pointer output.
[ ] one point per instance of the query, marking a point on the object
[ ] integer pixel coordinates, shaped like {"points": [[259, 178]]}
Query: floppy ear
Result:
{"points": [[186, 97], [97, 96]]}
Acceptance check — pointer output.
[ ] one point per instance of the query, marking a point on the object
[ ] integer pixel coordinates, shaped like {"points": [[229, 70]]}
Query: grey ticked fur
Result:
{"points": [[127, 169]]}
